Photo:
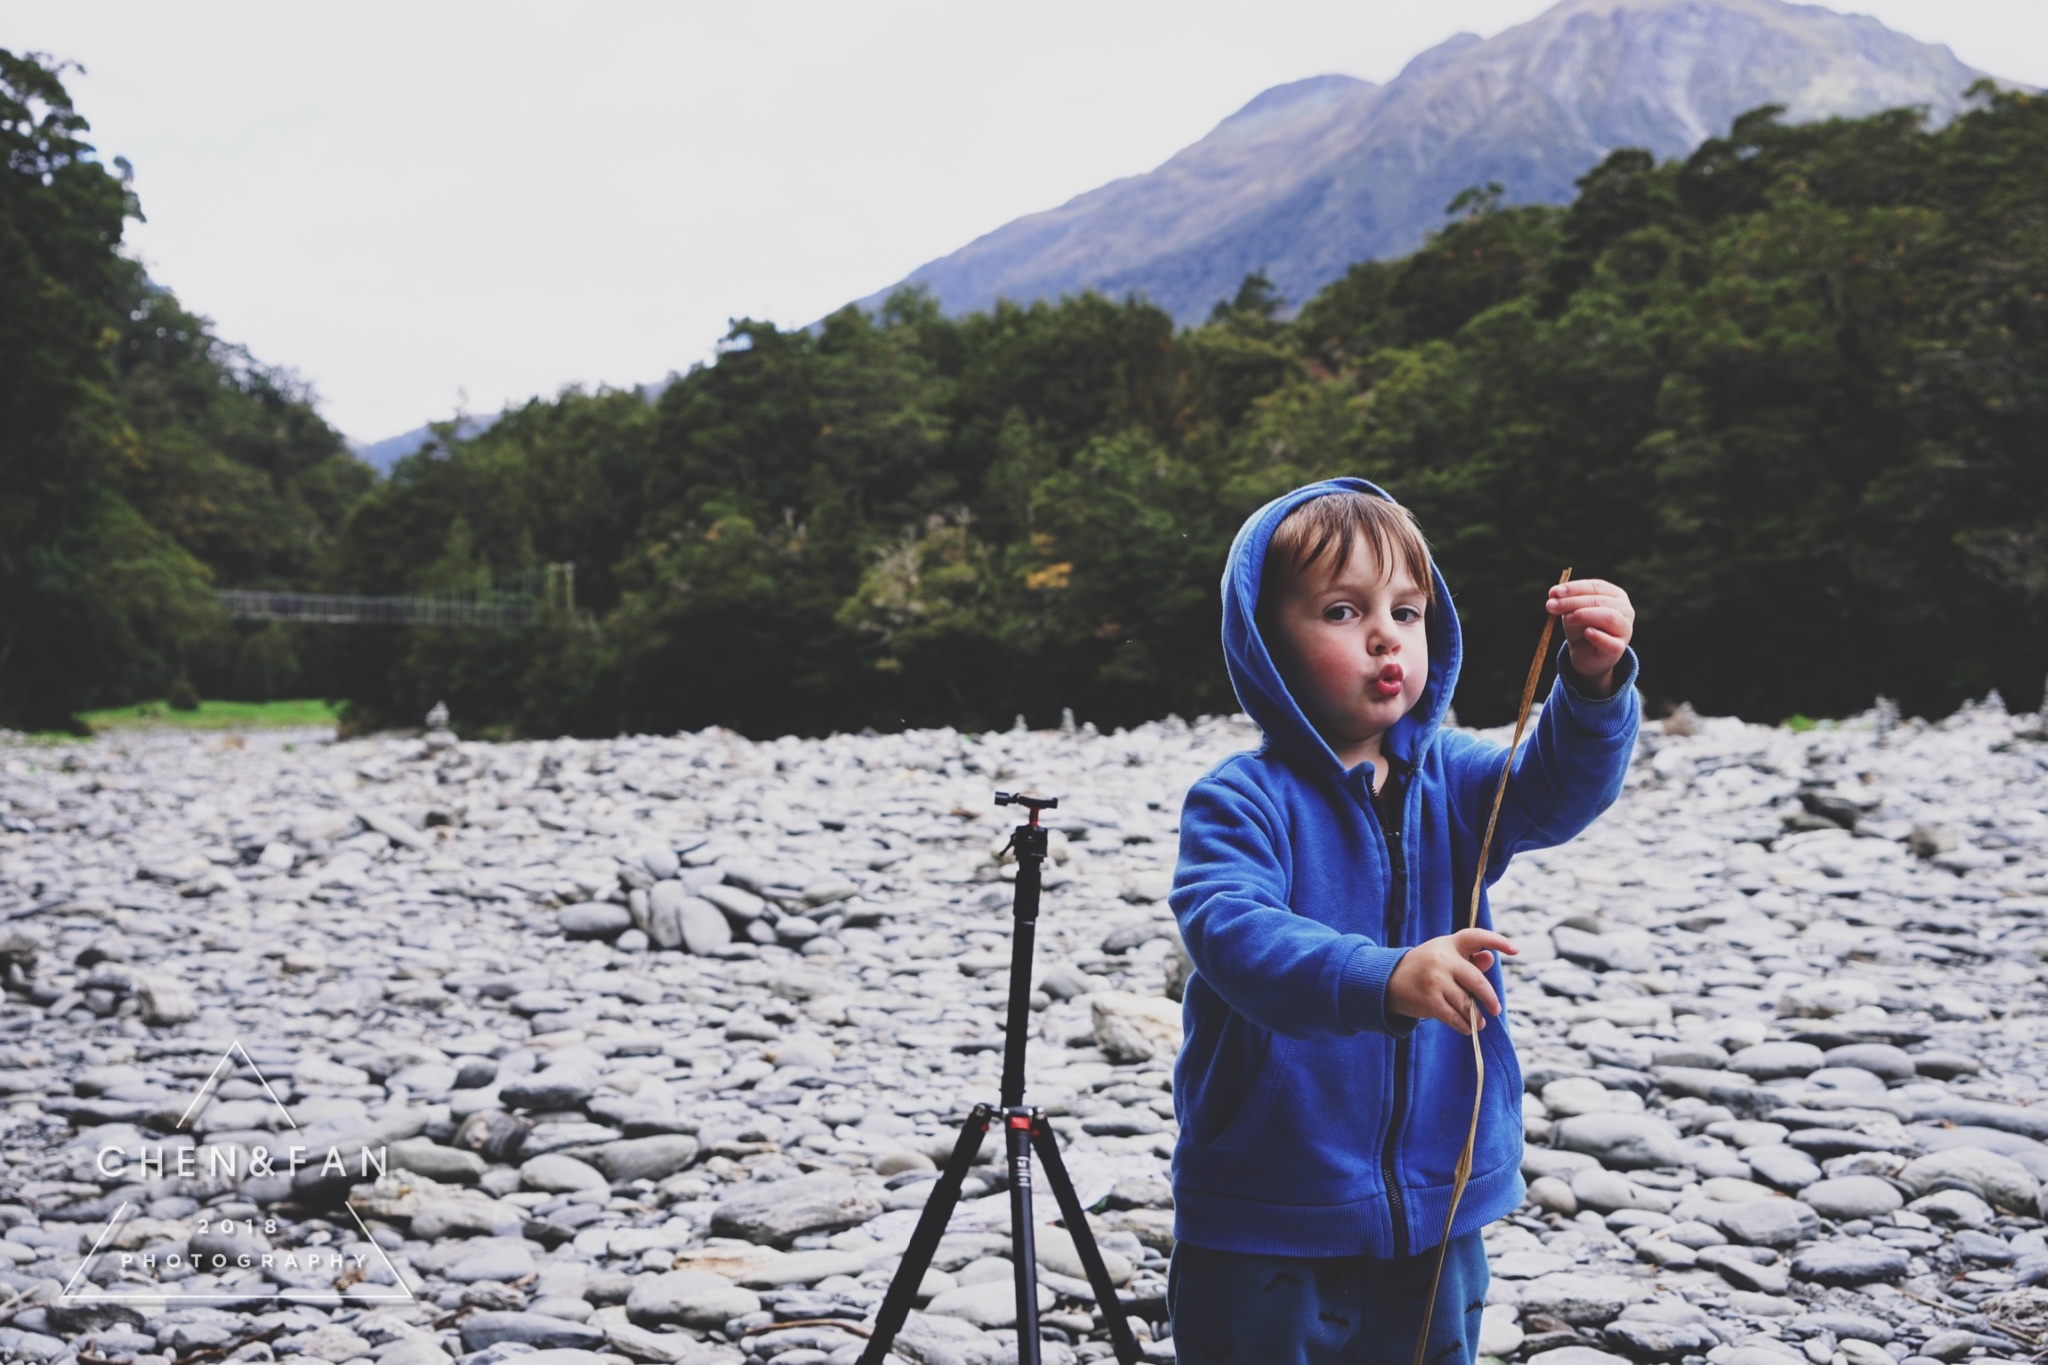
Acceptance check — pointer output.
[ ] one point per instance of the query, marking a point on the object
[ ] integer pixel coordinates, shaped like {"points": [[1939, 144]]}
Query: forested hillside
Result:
{"points": [[1788, 390], [143, 462]]}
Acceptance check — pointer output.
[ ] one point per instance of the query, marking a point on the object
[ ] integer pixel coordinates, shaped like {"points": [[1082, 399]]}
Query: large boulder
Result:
{"points": [[1745, 1097], [1852, 1196], [693, 1298], [1777, 1061], [1579, 1355], [1604, 1191], [1997, 1180], [643, 1158], [1621, 1141], [776, 1212], [703, 927], [464, 1215], [551, 1088], [594, 919], [1768, 1222], [1662, 1331], [991, 1303], [449, 1165], [1783, 1167], [498, 1259], [1135, 1028], [558, 1173], [528, 1329], [1581, 1298], [665, 913], [1846, 1264], [92, 1315]]}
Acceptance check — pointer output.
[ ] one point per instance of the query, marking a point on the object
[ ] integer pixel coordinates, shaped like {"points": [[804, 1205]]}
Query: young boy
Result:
{"points": [[1325, 1087]]}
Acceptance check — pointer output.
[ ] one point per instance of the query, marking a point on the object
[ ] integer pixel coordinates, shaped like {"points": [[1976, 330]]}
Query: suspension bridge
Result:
{"points": [[508, 604]]}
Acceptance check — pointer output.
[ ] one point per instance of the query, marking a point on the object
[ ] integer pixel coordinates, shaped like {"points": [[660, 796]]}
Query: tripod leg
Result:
{"points": [[924, 1242], [1017, 1125], [1076, 1219]]}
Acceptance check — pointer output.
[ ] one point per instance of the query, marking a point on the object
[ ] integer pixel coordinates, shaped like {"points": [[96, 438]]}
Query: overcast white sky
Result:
{"points": [[409, 203]]}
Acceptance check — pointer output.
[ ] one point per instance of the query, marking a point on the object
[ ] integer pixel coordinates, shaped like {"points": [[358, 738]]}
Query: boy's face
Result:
{"points": [[1353, 649]]}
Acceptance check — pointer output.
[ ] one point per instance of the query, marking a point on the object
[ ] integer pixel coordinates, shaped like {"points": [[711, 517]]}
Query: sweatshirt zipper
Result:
{"points": [[1397, 901]]}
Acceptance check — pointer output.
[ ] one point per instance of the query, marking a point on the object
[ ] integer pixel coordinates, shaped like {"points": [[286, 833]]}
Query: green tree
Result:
{"points": [[94, 601], [143, 461]]}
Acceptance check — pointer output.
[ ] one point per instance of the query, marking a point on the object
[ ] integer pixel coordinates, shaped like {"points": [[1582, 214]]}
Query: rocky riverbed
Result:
{"points": [[409, 1049]]}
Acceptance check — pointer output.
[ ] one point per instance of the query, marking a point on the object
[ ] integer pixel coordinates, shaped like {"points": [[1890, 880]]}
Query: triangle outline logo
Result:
{"points": [[201, 1100]]}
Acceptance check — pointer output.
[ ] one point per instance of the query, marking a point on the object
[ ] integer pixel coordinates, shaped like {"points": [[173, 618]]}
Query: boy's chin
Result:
{"points": [[1362, 730], [1379, 716]]}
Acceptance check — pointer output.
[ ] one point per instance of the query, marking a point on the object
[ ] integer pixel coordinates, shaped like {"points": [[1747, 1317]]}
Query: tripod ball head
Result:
{"points": [[1034, 804]]}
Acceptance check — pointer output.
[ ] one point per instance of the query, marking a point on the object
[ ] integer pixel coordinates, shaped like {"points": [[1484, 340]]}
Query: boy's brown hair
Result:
{"points": [[1331, 525]]}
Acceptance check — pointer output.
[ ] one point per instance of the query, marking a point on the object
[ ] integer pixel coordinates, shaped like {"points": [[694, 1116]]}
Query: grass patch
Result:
{"points": [[214, 715], [1799, 724]]}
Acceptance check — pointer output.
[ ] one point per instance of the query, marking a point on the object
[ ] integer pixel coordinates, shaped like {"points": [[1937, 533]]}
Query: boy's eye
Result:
{"points": [[1407, 616], [1340, 612]]}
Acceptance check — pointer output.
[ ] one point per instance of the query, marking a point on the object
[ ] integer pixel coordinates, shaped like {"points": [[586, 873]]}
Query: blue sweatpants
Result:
{"points": [[1324, 1310]]}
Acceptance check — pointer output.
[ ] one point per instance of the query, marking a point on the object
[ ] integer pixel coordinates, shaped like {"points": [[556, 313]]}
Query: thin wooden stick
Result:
{"points": [[1463, 1174], [841, 1323]]}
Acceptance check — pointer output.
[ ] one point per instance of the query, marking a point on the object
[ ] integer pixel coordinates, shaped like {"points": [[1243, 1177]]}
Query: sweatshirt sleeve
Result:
{"points": [[1567, 773], [1284, 972]]}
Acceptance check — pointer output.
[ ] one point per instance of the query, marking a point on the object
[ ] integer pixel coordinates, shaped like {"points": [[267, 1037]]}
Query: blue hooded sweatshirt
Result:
{"points": [[1313, 1122]]}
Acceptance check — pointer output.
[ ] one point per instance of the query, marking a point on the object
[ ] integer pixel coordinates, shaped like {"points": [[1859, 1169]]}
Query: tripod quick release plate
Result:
{"points": [[1034, 804]]}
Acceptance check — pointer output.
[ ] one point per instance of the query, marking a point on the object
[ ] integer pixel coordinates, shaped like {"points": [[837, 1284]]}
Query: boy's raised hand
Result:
{"points": [[1598, 621], [1433, 978]]}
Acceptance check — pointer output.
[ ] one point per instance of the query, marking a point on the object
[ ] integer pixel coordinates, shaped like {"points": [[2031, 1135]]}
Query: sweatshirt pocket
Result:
{"points": [[1268, 1077], [1507, 1067], [1500, 1127], [1232, 1080]]}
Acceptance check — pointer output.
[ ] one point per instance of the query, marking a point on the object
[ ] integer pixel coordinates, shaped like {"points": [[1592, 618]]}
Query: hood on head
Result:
{"points": [[1256, 679]]}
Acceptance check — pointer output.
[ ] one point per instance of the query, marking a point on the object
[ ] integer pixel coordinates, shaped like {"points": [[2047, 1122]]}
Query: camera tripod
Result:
{"points": [[1024, 1128]]}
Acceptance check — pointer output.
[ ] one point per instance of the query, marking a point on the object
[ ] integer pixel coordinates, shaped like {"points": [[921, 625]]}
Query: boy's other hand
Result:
{"points": [[1599, 621], [1434, 977]]}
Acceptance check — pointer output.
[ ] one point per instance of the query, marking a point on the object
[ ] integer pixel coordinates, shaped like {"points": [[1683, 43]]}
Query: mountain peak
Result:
{"points": [[1296, 96], [1435, 59], [1309, 177]]}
